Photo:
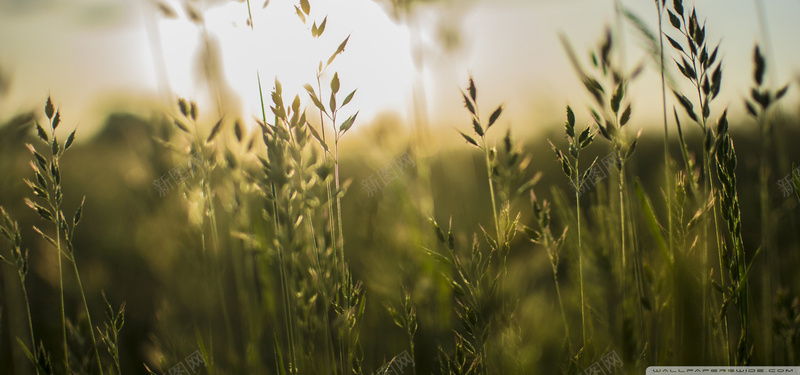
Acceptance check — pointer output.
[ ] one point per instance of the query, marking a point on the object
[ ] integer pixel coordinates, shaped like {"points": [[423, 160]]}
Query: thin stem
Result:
{"points": [[88, 315], [637, 275], [413, 357], [667, 174], [340, 261], [576, 184], [766, 235], [500, 241], [711, 189], [725, 332], [338, 199], [743, 299], [324, 292], [250, 15], [284, 286], [561, 307], [30, 322], [703, 278], [346, 277], [339, 213], [622, 220], [55, 207], [347, 367]]}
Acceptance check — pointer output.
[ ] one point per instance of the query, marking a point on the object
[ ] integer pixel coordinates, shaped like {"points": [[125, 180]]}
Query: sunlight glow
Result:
{"points": [[376, 60]]}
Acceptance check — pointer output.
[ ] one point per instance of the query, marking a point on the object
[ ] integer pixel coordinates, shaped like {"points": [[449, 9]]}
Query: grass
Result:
{"points": [[245, 259], [578, 179], [47, 188], [544, 236], [10, 230], [47, 191], [758, 107]]}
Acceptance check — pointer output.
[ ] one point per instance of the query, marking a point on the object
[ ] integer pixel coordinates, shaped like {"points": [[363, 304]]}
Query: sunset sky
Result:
{"points": [[93, 55]]}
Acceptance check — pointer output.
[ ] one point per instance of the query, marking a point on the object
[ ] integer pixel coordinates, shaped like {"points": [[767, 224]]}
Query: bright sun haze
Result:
{"points": [[96, 56], [280, 46]]}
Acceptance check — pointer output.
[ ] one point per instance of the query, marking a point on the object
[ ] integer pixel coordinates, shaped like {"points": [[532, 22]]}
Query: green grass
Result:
{"points": [[270, 258]]}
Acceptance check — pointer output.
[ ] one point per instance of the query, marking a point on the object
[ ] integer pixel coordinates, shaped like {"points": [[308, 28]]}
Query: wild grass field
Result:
{"points": [[289, 243]]}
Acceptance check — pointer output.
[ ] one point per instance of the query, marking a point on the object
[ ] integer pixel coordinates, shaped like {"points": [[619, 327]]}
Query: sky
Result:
{"points": [[93, 56]]}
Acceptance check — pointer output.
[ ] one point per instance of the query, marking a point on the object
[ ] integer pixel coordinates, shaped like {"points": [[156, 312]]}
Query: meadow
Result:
{"points": [[288, 243]]}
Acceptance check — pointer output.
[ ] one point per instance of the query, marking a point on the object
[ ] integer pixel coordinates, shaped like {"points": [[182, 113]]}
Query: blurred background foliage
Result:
{"points": [[141, 248]]}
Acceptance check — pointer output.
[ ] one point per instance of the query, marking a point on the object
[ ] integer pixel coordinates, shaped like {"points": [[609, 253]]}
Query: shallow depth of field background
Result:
{"points": [[116, 68]]}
